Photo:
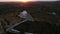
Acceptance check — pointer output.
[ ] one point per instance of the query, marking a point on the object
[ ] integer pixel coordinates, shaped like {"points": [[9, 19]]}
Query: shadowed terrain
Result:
{"points": [[39, 11], [38, 27]]}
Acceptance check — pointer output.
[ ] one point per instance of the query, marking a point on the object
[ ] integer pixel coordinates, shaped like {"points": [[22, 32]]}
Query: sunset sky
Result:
{"points": [[24, 0]]}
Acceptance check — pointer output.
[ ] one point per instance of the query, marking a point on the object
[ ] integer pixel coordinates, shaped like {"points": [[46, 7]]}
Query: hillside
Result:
{"points": [[39, 11]]}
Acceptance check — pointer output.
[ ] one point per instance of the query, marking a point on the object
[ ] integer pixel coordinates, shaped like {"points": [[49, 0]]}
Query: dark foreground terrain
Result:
{"points": [[37, 28], [40, 11]]}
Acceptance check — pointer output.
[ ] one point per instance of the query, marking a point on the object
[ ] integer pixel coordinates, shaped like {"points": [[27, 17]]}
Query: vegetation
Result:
{"points": [[39, 11]]}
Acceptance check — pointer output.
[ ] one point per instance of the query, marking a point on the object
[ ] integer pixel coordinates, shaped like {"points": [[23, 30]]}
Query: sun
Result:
{"points": [[24, 0]]}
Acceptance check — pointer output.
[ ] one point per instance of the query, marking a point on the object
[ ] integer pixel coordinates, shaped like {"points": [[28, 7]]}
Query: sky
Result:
{"points": [[28, 0]]}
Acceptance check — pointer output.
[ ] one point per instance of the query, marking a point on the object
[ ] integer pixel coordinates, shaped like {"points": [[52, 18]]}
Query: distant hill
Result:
{"points": [[14, 6]]}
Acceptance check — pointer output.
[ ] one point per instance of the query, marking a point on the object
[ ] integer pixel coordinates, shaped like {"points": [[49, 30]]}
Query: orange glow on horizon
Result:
{"points": [[24, 0]]}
